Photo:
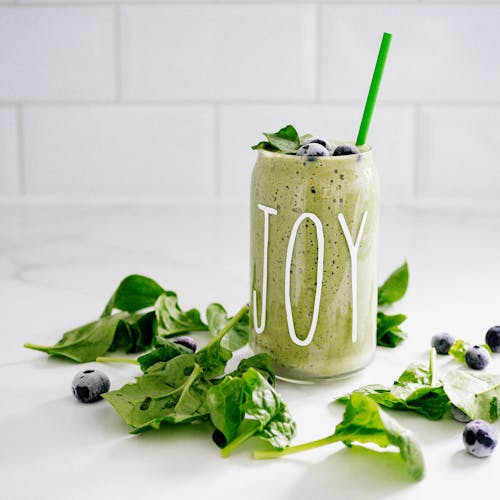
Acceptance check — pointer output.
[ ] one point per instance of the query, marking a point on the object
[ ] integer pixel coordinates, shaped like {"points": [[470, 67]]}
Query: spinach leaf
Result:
{"points": [[364, 422], [262, 362], [134, 334], [135, 292], [173, 392], [213, 358], [165, 352], [388, 332], [475, 393], [459, 348], [395, 286], [172, 320], [225, 402], [286, 140], [413, 391], [237, 336], [86, 342], [268, 416]]}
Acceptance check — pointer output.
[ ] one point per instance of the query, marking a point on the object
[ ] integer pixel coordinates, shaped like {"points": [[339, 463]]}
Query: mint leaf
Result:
{"points": [[135, 292], [235, 338], [475, 393], [172, 320], [395, 286], [286, 140], [388, 332]]}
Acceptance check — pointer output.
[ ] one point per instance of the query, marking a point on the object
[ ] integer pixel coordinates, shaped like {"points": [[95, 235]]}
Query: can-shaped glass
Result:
{"points": [[313, 255]]}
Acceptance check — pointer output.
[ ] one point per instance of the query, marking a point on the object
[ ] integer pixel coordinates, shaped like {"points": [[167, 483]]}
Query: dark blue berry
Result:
{"points": [[493, 338], [459, 415], [479, 438], [313, 149], [346, 149], [186, 342], [442, 342], [477, 357], [88, 385], [318, 140]]}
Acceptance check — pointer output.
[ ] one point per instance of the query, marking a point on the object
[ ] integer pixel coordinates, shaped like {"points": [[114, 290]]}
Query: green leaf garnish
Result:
{"points": [[173, 392], [395, 286], [86, 342], [475, 393], [172, 320], [267, 416], [286, 140], [364, 422], [389, 333], [417, 389], [235, 338], [135, 292]]}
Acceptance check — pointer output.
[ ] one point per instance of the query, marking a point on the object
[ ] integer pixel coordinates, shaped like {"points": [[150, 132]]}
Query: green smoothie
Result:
{"points": [[314, 236]]}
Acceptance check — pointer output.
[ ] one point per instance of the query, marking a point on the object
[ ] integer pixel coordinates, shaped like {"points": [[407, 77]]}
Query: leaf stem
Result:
{"points": [[230, 324], [294, 449], [111, 359], [35, 346], [432, 366], [238, 440]]}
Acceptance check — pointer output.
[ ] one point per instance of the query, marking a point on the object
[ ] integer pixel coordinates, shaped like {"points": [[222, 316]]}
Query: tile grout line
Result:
{"points": [[20, 150], [417, 136], [317, 41], [216, 154], [117, 52]]}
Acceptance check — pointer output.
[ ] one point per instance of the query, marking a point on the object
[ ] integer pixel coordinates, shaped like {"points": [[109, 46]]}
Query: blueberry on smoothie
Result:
{"points": [[477, 357], [346, 149], [442, 342], [479, 438], [313, 149], [493, 338], [88, 385], [318, 140], [186, 342]]}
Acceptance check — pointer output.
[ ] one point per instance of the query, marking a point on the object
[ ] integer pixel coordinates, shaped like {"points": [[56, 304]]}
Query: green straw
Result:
{"points": [[374, 86]]}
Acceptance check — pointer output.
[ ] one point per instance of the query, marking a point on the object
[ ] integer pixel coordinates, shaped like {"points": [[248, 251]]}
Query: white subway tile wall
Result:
{"points": [[165, 98], [9, 150]]}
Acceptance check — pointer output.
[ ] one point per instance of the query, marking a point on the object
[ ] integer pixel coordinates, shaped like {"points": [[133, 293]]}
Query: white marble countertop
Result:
{"points": [[60, 262]]}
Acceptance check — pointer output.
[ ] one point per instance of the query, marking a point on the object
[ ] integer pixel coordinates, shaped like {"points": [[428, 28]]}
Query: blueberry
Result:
{"points": [[477, 357], [318, 140], [459, 415], [346, 149], [442, 342], [493, 338], [88, 385], [186, 342], [479, 438], [313, 149]]}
